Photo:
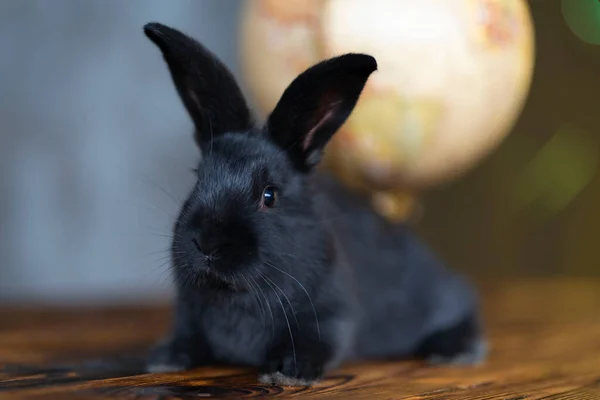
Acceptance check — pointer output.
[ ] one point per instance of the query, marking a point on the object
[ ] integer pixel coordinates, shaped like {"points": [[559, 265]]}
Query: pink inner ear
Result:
{"points": [[311, 133], [194, 98]]}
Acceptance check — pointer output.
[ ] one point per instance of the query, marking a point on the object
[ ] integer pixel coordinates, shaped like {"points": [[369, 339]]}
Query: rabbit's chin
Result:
{"points": [[213, 279]]}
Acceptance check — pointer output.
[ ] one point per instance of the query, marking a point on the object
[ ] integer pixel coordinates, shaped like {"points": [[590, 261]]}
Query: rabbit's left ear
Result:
{"points": [[316, 104], [208, 89]]}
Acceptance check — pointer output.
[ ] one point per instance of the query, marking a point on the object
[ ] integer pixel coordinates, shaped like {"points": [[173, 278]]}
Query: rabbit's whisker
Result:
{"points": [[256, 297], [285, 254], [162, 189], [307, 295], [267, 303], [162, 258], [210, 128], [152, 253], [159, 209], [189, 276], [286, 299], [161, 266], [286, 320]]}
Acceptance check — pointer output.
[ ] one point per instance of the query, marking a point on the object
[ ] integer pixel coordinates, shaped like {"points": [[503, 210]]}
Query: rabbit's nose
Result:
{"points": [[204, 245], [210, 247], [196, 244]]}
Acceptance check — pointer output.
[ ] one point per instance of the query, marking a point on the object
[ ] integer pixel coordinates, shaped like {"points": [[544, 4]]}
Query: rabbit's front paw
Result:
{"points": [[166, 357], [288, 371]]}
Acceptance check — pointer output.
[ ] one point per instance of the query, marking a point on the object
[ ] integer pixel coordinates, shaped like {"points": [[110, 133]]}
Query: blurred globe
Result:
{"points": [[453, 76]]}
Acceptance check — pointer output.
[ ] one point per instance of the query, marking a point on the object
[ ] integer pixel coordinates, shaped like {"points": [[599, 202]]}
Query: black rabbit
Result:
{"points": [[280, 267]]}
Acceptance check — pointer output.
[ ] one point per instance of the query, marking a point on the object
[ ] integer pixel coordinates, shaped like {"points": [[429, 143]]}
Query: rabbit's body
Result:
{"points": [[404, 294], [282, 268]]}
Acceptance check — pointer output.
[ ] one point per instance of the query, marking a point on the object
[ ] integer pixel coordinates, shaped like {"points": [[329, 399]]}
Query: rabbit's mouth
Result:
{"points": [[216, 282], [212, 279]]}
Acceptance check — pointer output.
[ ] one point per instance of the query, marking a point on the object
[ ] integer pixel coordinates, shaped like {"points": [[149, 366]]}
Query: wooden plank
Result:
{"points": [[544, 345]]}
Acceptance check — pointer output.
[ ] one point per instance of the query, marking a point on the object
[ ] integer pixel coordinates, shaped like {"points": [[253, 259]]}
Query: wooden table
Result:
{"points": [[545, 339]]}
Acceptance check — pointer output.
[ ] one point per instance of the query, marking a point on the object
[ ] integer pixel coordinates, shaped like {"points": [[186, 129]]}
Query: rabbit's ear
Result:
{"points": [[207, 88], [316, 104]]}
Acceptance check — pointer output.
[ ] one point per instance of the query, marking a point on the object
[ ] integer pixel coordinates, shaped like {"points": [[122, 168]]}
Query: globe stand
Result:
{"points": [[396, 206]]}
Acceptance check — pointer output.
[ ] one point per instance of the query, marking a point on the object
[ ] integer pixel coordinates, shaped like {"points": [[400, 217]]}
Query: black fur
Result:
{"points": [[296, 288]]}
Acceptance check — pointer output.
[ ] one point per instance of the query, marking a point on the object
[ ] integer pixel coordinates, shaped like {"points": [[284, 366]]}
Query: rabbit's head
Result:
{"points": [[253, 206]]}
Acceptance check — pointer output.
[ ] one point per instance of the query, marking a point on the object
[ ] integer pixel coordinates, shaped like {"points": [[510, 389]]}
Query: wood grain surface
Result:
{"points": [[545, 344]]}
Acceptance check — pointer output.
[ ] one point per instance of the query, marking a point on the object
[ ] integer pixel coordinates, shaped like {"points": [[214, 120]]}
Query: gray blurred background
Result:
{"points": [[95, 147]]}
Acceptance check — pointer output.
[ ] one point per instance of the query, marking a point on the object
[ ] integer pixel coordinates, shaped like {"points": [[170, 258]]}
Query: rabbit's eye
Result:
{"points": [[269, 197]]}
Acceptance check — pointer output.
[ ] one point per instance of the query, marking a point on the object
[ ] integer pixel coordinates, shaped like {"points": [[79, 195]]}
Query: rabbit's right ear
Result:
{"points": [[316, 104], [207, 88]]}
